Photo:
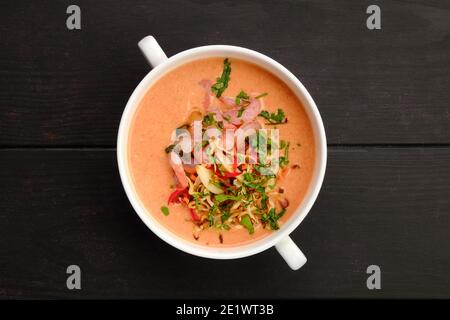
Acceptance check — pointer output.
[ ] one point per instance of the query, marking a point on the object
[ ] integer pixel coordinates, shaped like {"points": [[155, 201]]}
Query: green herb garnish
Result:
{"points": [[240, 112], [211, 219], [184, 126], [222, 82], [211, 213], [261, 95], [196, 197], [165, 210], [169, 149], [225, 216], [284, 160], [264, 199], [274, 118], [248, 177], [272, 218], [247, 223], [224, 197], [242, 97]]}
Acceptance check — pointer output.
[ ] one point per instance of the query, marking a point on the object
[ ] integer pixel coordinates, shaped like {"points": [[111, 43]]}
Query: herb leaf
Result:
{"points": [[222, 82], [169, 148], [261, 95], [225, 216], [165, 210], [240, 112], [209, 119], [272, 218], [242, 96], [211, 213], [247, 223], [274, 118]]}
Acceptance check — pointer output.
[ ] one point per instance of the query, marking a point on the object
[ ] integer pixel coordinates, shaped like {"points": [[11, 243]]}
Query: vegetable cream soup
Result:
{"points": [[221, 152]]}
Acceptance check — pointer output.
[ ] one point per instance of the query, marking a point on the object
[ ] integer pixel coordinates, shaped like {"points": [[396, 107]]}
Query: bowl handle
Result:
{"points": [[291, 253], [152, 51]]}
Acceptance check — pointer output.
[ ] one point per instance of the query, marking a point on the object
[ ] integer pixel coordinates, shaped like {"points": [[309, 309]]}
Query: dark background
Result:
{"points": [[383, 95]]}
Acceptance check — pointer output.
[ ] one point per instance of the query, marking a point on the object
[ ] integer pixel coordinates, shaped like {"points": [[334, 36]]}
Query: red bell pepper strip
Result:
{"points": [[175, 196], [194, 215]]}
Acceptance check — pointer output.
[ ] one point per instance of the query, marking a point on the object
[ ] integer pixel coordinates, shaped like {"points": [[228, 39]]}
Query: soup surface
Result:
{"points": [[167, 105]]}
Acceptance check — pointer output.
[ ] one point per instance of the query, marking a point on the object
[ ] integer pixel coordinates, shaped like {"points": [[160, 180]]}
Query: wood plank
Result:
{"points": [[383, 206], [60, 87]]}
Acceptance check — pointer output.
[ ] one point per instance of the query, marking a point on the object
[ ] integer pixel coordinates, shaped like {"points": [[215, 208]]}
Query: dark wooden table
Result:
{"points": [[383, 94]]}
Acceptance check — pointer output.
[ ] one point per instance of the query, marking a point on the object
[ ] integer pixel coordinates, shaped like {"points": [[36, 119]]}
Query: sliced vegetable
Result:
{"points": [[206, 176], [274, 118]]}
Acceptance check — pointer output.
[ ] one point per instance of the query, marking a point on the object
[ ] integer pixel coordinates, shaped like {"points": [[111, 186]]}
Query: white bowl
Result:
{"points": [[280, 239]]}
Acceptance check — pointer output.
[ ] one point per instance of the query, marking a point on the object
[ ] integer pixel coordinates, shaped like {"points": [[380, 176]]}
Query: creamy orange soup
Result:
{"points": [[169, 102]]}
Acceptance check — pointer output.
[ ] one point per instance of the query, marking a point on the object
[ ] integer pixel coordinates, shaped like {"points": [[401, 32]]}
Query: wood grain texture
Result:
{"points": [[60, 87], [384, 206]]}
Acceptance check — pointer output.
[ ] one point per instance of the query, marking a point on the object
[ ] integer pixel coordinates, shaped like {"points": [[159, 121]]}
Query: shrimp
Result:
{"points": [[177, 166]]}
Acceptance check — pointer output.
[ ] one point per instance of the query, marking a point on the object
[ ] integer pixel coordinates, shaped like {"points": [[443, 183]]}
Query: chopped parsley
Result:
{"points": [[261, 95], [272, 218], [225, 216], [169, 148], [274, 118], [242, 97], [224, 197], [222, 82], [240, 111], [211, 213], [247, 223], [209, 119], [264, 199]]}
